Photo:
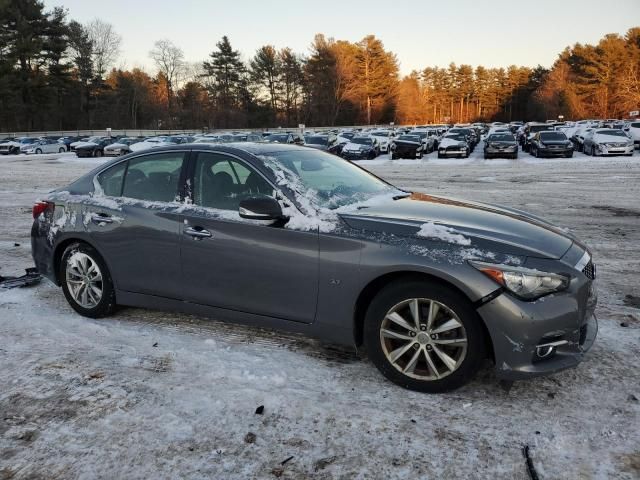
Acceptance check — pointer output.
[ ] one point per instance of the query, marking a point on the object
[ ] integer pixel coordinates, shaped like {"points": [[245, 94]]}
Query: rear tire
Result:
{"points": [[97, 153], [86, 281], [38, 151], [61, 150], [439, 367]]}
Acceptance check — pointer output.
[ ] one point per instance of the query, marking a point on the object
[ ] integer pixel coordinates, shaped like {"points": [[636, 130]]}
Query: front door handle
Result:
{"points": [[101, 218], [197, 233]]}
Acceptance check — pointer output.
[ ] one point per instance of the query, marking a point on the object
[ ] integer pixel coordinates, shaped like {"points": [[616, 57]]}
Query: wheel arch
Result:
{"points": [[377, 284], [62, 246]]}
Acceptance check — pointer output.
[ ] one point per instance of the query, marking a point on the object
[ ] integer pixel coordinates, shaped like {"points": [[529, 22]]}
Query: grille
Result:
{"points": [[590, 270]]}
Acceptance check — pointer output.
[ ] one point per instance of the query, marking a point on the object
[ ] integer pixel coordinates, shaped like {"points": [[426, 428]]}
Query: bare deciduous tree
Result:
{"points": [[169, 58], [106, 45]]}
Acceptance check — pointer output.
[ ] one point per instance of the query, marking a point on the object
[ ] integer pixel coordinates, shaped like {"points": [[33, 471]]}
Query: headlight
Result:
{"points": [[523, 282]]}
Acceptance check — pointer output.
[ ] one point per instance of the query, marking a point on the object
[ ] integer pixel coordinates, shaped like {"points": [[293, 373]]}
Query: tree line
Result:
{"points": [[59, 74]]}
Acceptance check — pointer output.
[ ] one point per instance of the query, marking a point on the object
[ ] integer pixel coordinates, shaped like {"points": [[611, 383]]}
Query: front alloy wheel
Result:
{"points": [[424, 336], [423, 339]]}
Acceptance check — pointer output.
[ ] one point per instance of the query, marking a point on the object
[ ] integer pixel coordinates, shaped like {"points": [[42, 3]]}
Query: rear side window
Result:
{"points": [[635, 124], [153, 177], [111, 180]]}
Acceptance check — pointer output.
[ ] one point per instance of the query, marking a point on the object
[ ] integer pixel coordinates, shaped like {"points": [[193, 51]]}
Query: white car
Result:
{"points": [[634, 132], [385, 138], [607, 141], [43, 145]]}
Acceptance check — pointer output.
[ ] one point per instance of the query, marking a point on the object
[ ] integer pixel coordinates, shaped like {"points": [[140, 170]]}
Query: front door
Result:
{"points": [[238, 264]]}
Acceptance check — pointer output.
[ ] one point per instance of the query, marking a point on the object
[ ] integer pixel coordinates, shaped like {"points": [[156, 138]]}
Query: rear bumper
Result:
{"points": [[42, 251], [517, 328]]}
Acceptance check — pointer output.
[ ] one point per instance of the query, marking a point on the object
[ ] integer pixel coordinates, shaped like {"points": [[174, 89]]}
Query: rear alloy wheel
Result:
{"points": [[86, 281], [424, 336], [38, 151]]}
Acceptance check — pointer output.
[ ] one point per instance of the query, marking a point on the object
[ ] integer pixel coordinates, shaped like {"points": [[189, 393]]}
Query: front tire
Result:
{"points": [[97, 153], [424, 336], [61, 150], [38, 151], [86, 281]]}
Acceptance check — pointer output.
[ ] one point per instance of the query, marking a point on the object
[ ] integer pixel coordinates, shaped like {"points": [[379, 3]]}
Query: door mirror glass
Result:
{"points": [[260, 208]]}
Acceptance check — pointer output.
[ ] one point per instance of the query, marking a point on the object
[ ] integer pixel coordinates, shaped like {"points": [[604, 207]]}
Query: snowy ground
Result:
{"points": [[147, 394]]}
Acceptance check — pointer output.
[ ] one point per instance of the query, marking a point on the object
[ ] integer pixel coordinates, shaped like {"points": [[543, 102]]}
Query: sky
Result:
{"points": [[492, 33]]}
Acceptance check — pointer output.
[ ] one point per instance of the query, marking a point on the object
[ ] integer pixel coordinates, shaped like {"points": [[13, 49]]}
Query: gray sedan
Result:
{"points": [[292, 238]]}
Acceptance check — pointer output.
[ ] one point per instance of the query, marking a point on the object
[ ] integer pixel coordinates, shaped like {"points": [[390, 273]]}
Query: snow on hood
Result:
{"points": [[447, 141], [12, 143], [115, 145], [83, 144], [447, 234], [471, 220], [354, 146], [135, 147]]}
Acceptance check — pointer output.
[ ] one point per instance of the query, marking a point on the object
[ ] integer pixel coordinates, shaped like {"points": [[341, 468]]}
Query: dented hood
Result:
{"points": [[507, 230]]}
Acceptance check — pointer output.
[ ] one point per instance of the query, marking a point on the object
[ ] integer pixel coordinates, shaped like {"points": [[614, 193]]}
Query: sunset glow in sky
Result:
{"points": [[426, 33]]}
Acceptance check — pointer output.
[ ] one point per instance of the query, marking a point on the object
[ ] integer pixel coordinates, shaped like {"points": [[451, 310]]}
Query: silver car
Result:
{"points": [[43, 145], [288, 237]]}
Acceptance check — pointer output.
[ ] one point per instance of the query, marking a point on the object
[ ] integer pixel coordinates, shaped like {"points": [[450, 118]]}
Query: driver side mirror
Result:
{"points": [[260, 208]]}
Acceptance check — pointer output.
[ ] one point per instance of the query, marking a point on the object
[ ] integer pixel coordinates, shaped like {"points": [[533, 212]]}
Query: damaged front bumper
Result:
{"points": [[541, 337]]}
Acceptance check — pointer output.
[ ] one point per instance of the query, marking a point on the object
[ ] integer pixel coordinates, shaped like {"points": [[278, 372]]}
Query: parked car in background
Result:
{"points": [[385, 138], [578, 137], [120, 146], [607, 142], [327, 143], [529, 130], [337, 254], [454, 145], [502, 144], [67, 141], [407, 146], [361, 148], [164, 141], [14, 147], [82, 140], [288, 138], [428, 141], [95, 148], [43, 145], [550, 144], [471, 135], [634, 133]]}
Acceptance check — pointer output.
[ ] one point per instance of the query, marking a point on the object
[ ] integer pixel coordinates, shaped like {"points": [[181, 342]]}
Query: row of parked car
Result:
{"points": [[541, 139]]}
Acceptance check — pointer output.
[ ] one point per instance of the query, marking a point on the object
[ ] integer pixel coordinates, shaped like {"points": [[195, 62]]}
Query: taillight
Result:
{"points": [[41, 207]]}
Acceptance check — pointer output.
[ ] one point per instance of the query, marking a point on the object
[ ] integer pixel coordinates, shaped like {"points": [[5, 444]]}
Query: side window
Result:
{"points": [[153, 177], [111, 180], [222, 182]]}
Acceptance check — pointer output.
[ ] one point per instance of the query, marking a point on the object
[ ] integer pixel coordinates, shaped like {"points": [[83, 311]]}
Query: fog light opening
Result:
{"points": [[545, 351]]}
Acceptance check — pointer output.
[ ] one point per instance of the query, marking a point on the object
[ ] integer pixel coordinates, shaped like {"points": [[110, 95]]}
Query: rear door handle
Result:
{"points": [[99, 218], [197, 233]]}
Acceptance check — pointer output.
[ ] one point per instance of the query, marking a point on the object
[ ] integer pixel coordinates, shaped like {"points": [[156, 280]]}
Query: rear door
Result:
{"points": [[136, 224], [238, 264]]}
